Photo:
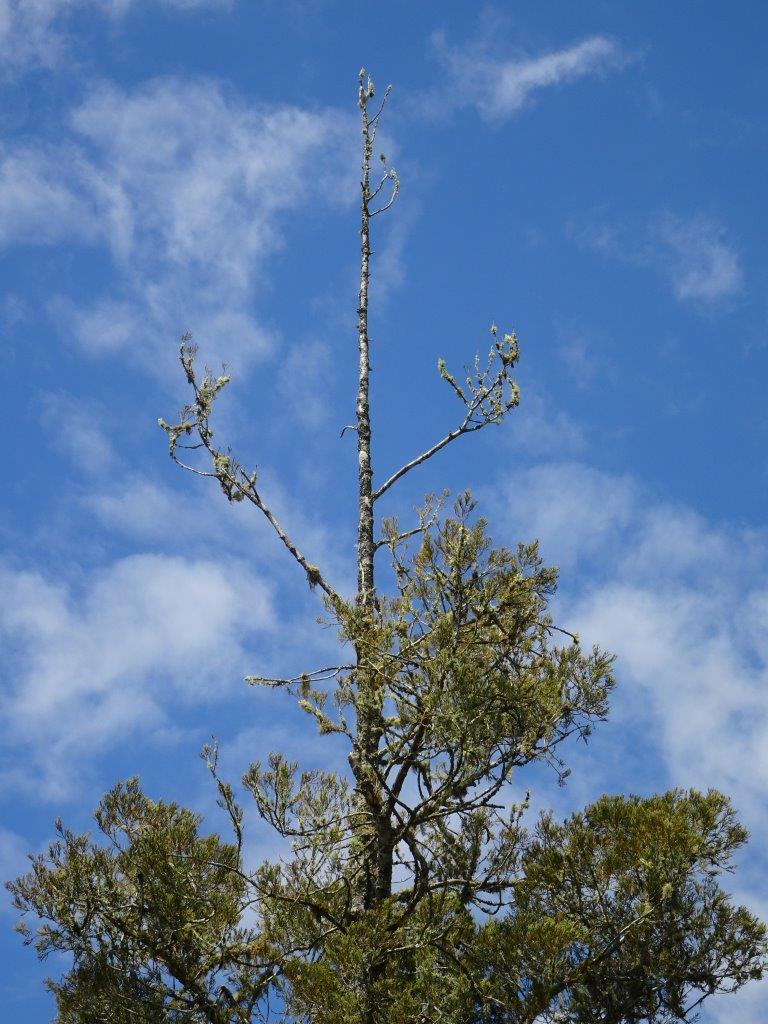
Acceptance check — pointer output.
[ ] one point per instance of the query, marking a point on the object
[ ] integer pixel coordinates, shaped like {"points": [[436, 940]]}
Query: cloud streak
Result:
{"points": [[186, 187], [540, 429], [699, 261], [78, 432], [684, 605], [694, 255], [89, 666], [33, 32], [498, 88]]}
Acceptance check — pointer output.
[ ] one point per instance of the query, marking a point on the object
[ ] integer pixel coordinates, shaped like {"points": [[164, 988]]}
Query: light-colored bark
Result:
{"points": [[365, 544], [376, 842]]}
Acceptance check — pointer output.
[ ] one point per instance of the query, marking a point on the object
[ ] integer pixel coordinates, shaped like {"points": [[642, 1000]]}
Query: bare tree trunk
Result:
{"points": [[365, 580], [376, 845]]}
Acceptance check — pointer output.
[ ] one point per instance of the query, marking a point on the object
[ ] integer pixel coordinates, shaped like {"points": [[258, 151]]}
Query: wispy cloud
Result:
{"points": [[701, 263], [85, 664], [14, 850], [184, 185], [539, 429], [42, 199], [391, 255], [582, 351], [684, 605], [305, 380], [77, 431], [193, 519], [695, 255], [746, 1007], [571, 507], [498, 87], [34, 32]]}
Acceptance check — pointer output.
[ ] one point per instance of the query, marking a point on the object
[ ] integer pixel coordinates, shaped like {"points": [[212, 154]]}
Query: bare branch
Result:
{"points": [[392, 175], [385, 178], [463, 429], [388, 541], [490, 394], [377, 115], [314, 576], [235, 482], [318, 674]]}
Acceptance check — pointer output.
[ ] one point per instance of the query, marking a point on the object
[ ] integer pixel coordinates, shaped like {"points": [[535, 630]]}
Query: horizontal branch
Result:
{"points": [[389, 541], [317, 675]]}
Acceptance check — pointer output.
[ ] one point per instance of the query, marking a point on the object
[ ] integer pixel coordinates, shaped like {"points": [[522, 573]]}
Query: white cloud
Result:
{"points": [[499, 87], [684, 605], [39, 200], [574, 510], [107, 327], [305, 378], [194, 516], [695, 255], [89, 666], [582, 352], [699, 260], [33, 32], [185, 185], [13, 860], [143, 510], [537, 429], [745, 1007], [389, 264], [77, 431]]}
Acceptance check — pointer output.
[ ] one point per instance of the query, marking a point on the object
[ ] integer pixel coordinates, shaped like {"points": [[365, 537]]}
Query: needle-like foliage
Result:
{"points": [[420, 888]]}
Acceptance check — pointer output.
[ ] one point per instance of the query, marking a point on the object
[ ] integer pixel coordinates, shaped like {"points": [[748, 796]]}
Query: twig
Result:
{"points": [[395, 189], [319, 673], [388, 541]]}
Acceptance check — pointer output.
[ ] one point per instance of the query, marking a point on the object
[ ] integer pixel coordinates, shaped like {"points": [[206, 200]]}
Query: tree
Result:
{"points": [[416, 890]]}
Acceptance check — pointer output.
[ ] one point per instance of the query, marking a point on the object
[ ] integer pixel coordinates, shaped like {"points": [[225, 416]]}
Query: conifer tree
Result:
{"points": [[418, 890]]}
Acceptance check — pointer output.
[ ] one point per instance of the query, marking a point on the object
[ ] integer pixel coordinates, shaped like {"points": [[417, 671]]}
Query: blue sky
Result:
{"points": [[591, 174]]}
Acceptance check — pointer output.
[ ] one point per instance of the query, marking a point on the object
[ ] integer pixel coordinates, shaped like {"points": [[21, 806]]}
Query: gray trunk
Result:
{"points": [[375, 839]]}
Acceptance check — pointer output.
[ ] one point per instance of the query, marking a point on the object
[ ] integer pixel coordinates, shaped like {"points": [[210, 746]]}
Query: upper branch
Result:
{"points": [[489, 394], [235, 482], [391, 175]]}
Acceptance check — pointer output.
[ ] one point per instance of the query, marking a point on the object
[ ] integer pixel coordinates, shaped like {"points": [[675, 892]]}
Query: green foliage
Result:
{"points": [[153, 917], [614, 915], [618, 916], [489, 392]]}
